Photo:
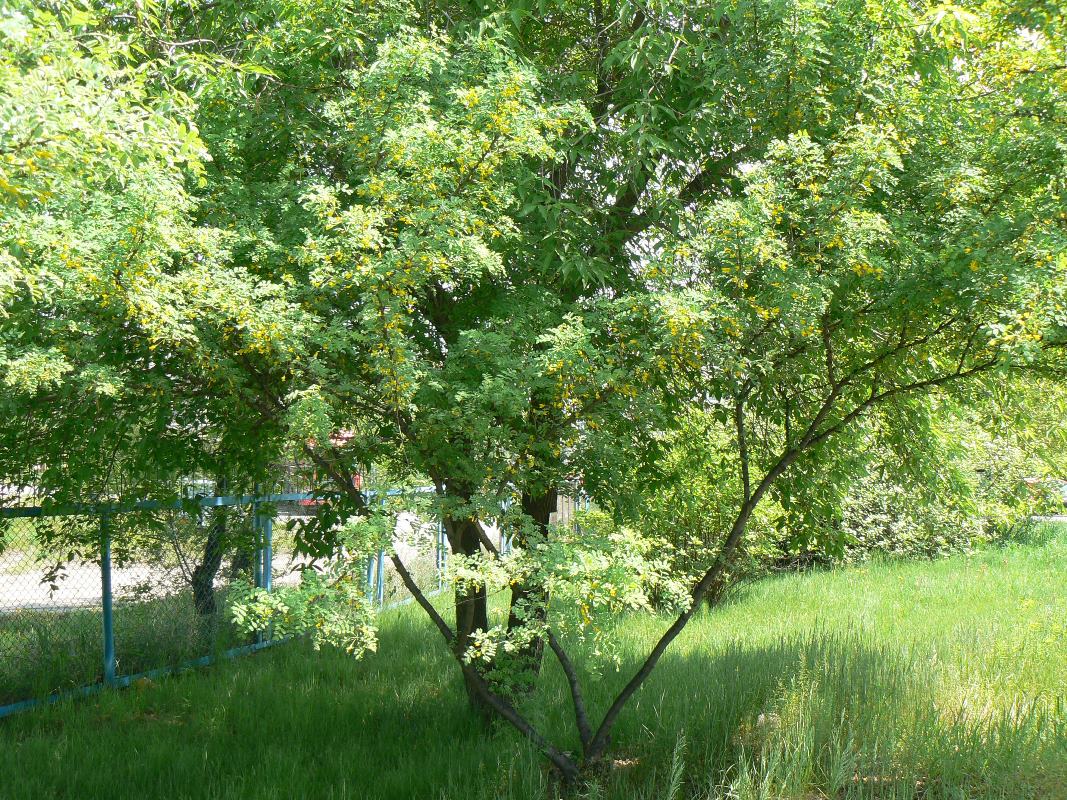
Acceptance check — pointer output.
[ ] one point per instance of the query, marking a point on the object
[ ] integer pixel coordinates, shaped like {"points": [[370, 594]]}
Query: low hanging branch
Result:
{"points": [[813, 436], [567, 767], [581, 716], [595, 743]]}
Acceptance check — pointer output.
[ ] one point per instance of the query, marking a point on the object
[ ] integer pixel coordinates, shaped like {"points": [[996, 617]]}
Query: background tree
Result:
{"points": [[97, 146]]}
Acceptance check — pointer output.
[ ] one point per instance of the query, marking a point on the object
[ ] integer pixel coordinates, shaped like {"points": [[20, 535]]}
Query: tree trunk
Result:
{"points": [[540, 509], [203, 578], [472, 605], [241, 564]]}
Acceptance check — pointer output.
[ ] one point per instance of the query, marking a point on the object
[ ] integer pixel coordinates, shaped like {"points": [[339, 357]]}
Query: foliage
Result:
{"points": [[970, 479], [884, 518], [689, 500], [331, 603], [964, 487], [593, 571], [332, 608], [516, 248], [96, 219]]}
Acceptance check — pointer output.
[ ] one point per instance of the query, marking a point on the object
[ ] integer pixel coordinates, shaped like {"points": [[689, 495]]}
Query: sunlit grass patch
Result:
{"points": [[942, 679]]}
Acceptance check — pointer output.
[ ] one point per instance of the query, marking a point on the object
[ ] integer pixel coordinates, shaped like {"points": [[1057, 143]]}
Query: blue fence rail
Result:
{"points": [[48, 610]]}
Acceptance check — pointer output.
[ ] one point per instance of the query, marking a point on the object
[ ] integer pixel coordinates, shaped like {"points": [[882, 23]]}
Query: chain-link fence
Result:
{"points": [[105, 597], [423, 548], [50, 610]]}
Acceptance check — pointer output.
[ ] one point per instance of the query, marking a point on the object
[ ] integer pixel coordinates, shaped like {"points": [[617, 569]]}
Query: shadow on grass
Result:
{"points": [[802, 717], [830, 715], [48, 651]]}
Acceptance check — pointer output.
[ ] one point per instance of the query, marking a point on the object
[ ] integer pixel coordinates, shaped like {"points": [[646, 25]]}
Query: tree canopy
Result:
{"points": [[511, 247]]}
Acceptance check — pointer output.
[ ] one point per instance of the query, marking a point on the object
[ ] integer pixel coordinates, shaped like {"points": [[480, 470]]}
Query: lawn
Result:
{"points": [[943, 679]]}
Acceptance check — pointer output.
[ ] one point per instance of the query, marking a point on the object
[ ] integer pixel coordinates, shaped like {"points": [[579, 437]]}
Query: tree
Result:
{"points": [[891, 229], [509, 249], [95, 212], [96, 146]]}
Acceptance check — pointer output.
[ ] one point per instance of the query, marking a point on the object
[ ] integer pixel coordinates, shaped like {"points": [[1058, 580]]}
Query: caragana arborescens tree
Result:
{"points": [[91, 192], [97, 147], [504, 247], [792, 214], [380, 220]]}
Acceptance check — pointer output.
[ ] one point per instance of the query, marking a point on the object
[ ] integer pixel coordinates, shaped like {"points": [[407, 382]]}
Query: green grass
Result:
{"points": [[934, 680], [42, 652]]}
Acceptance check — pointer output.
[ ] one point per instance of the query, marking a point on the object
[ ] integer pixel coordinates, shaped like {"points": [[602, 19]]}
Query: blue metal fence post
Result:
{"points": [[383, 501], [106, 599], [380, 579], [266, 554], [257, 562], [371, 572], [104, 514], [268, 551], [370, 578]]}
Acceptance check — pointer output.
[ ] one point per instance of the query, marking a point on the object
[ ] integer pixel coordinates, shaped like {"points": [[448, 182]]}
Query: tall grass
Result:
{"points": [[42, 652], [942, 680]]}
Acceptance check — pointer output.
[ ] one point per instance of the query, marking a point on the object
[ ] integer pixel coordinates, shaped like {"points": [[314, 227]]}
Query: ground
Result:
{"points": [[51, 634], [943, 679]]}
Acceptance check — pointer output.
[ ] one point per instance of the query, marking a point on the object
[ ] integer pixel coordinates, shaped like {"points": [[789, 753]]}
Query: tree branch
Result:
{"points": [[581, 717], [711, 176], [812, 436], [877, 397], [505, 709], [742, 447], [412, 587]]}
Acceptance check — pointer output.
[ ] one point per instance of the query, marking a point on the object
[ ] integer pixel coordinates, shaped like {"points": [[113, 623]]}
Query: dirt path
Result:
{"points": [[80, 585]]}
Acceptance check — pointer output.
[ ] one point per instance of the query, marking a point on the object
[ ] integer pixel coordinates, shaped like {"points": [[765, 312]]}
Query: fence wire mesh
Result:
{"points": [[171, 576], [162, 577], [50, 610]]}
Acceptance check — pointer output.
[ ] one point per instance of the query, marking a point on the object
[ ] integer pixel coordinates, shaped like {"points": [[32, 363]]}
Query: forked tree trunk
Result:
{"points": [[203, 578], [241, 563]]}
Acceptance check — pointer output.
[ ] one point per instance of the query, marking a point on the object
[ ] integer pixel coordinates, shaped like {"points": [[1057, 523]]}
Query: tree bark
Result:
{"points": [[241, 563], [472, 604], [539, 509], [203, 578]]}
